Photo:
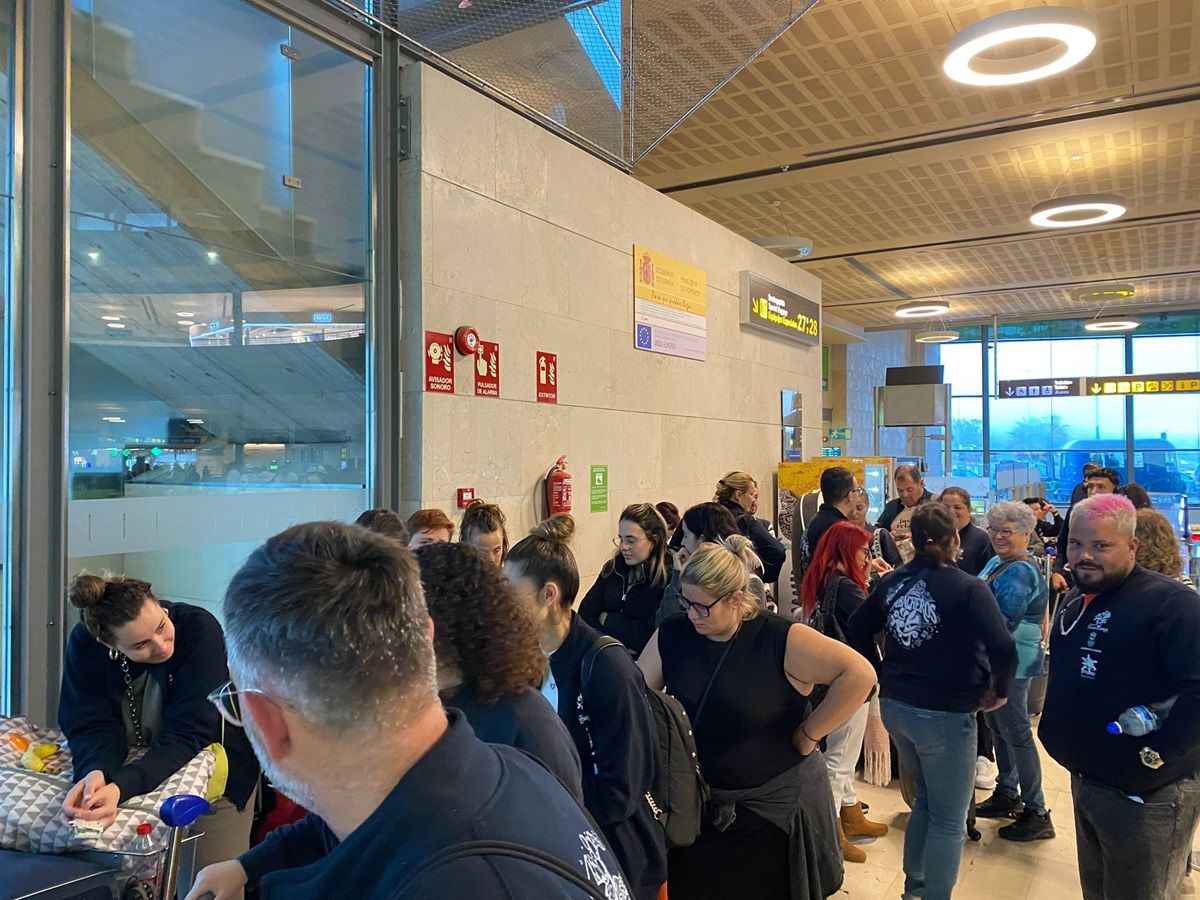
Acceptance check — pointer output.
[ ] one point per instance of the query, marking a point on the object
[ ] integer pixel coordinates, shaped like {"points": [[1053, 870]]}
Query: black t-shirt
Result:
{"points": [[744, 735]]}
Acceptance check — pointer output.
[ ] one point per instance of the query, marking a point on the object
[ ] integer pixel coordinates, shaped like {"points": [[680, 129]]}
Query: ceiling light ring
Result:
{"points": [[1105, 208], [1072, 30], [1112, 323], [921, 309], [936, 337]]}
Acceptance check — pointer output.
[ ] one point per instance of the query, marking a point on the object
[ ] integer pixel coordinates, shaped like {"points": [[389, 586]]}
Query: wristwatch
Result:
{"points": [[1150, 758]]}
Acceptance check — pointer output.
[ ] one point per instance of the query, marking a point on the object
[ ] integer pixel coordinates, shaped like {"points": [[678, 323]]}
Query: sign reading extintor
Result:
{"points": [[546, 377], [487, 369], [439, 363]]}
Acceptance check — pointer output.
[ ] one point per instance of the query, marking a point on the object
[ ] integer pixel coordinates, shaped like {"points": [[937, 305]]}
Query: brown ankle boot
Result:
{"points": [[850, 853], [855, 824]]}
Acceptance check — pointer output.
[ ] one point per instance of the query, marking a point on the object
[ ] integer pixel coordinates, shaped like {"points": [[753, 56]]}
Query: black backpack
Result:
{"points": [[678, 793], [824, 618]]}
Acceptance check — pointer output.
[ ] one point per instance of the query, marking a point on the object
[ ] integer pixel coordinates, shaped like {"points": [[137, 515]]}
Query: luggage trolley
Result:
{"points": [[108, 875]]}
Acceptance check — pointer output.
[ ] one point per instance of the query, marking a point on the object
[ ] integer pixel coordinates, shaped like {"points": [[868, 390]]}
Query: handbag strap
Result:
{"points": [[712, 679], [999, 570]]}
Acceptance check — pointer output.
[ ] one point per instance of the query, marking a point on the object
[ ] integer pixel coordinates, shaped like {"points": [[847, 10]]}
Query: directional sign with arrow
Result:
{"points": [[1040, 387], [1105, 385]]}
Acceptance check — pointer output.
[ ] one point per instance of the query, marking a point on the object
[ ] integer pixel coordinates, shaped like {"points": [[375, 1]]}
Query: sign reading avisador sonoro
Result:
{"points": [[774, 309]]}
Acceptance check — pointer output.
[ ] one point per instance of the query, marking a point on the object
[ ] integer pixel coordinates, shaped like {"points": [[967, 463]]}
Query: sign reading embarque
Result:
{"points": [[769, 307]]}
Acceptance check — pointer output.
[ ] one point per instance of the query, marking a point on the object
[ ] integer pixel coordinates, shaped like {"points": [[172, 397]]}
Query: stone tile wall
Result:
{"points": [[530, 240]]}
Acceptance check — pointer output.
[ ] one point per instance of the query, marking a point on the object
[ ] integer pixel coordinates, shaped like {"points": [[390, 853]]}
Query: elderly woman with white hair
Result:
{"points": [[1022, 593]]}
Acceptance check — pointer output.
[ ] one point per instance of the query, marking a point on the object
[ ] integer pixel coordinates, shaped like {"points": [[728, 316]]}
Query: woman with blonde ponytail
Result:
{"points": [[744, 674]]}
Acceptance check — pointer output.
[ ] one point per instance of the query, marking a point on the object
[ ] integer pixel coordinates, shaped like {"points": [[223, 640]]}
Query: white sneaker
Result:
{"points": [[985, 774]]}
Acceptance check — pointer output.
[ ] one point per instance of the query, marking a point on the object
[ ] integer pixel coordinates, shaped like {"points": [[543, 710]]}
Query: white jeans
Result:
{"points": [[842, 748]]}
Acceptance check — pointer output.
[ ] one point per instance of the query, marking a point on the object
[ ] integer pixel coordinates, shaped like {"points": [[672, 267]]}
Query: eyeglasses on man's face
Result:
{"points": [[225, 699]]}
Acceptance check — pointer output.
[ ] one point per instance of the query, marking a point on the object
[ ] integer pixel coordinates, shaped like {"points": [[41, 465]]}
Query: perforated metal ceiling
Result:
{"points": [[846, 131]]}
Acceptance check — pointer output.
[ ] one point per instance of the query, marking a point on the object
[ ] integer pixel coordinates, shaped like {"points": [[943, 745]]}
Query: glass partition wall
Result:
{"points": [[204, 319], [1057, 435], [220, 244]]}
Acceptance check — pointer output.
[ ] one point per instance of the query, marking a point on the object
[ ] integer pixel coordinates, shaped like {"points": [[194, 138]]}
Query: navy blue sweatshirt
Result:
{"points": [[1136, 643], [93, 696], [525, 721], [768, 547], [461, 790], [628, 600], [945, 640], [976, 551], [614, 734]]}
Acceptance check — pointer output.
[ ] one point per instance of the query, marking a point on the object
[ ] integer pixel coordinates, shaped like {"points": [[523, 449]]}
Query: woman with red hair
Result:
{"points": [[834, 585]]}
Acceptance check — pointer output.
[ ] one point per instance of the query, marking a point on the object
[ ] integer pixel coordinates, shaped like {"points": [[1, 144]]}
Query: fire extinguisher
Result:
{"points": [[558, 488]]}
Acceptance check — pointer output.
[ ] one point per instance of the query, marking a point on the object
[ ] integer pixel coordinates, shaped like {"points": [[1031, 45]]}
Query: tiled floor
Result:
{"points": [[992, 869]]}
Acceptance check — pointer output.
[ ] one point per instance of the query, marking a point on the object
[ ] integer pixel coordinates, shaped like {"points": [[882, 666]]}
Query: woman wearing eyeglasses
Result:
{"points": [[704, 523], [136, 681], [1022, 593], [625, 597], [744, 676]]}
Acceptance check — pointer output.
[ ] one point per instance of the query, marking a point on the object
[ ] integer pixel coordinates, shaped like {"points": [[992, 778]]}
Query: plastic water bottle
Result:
{"points": [[145, 867], [1139, 720]]}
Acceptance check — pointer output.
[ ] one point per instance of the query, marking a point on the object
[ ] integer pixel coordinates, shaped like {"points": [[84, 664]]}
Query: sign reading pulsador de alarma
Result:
{"points": [[769, 307]]}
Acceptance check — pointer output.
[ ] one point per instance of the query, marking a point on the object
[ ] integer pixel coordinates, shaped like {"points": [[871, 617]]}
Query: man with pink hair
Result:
{"points": [[1124, 637]]}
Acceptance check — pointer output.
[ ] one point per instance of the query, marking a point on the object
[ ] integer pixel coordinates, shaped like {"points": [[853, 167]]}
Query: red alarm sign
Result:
{"points": [[439, 363], [487, 369], [546, 377]]}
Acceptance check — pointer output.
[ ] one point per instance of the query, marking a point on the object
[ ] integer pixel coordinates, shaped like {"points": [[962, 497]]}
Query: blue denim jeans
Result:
{"points": [[938, 750], [1016, 753]]}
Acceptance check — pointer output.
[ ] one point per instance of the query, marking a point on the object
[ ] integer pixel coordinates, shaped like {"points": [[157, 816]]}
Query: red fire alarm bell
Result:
{"points": [[466, 340], [465, 496]]}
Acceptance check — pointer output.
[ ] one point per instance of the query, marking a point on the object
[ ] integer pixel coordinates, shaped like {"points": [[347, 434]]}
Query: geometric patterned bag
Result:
{"points": [[31, 816]]}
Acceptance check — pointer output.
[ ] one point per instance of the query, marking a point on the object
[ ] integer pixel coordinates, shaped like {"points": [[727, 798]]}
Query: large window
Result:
{"points": [[1057, 435], [219, 282]]}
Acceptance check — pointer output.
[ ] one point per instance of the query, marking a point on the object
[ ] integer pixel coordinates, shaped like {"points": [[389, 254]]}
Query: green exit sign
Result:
{"points": [[839, 434]]}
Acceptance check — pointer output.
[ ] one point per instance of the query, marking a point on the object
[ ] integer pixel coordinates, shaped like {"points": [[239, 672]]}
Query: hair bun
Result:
{"points": [[86, 591], [737, 543], [558, 529]]}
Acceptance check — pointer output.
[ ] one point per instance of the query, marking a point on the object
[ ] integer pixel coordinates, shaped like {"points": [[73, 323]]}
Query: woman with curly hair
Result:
{"points": [[1158, 545], [490, 665]]}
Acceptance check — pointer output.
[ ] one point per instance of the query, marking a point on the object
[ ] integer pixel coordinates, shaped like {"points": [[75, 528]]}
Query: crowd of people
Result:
{"points": [[459, 716]]}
